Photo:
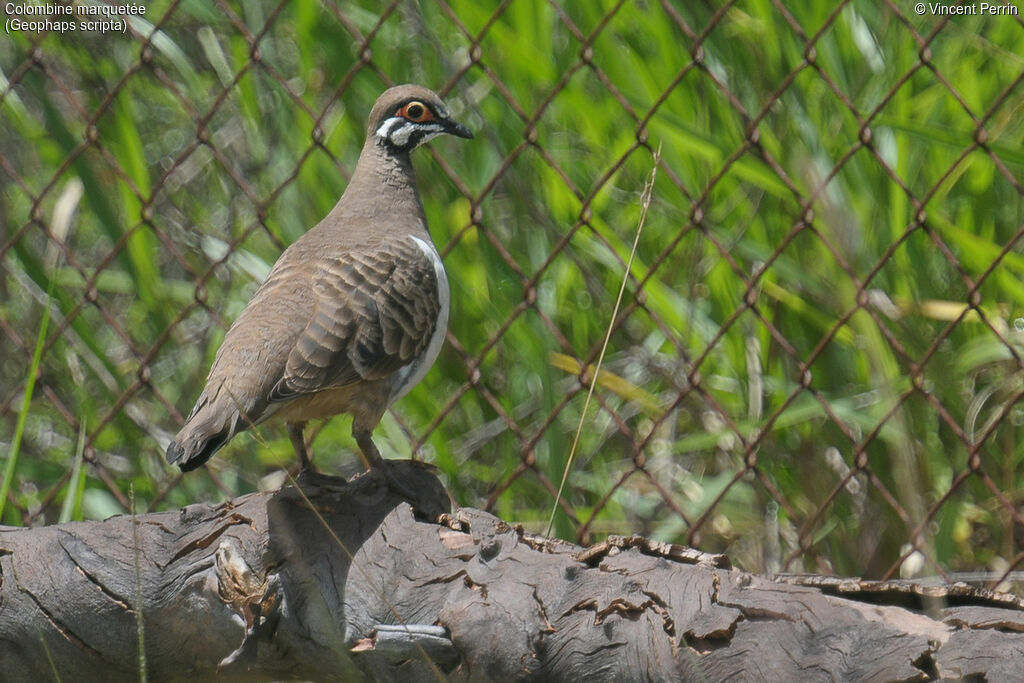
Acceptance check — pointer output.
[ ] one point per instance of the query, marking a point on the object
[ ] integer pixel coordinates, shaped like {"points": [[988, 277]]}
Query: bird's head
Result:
{"points": [[406, 116]]}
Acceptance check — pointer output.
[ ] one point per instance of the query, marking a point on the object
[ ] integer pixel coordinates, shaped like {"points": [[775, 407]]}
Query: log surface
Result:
{"points": [[346, 581]]}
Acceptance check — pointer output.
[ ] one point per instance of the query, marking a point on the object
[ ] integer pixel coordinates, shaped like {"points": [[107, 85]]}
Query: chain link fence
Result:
{"points": [[817, 363]]}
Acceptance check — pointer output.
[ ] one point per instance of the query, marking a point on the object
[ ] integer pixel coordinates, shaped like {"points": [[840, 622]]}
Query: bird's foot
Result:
{"points": [[392, 473], [391, 476], [310, 475], [400, 478]]}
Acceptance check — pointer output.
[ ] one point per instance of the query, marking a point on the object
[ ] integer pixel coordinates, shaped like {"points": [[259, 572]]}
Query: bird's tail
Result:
{"points": [[204, 433], [189, 451]]}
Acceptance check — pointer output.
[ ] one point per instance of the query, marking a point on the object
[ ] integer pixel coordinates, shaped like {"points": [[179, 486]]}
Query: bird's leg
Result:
{"points": [[373, 461], [299, 444], [367, 450]]}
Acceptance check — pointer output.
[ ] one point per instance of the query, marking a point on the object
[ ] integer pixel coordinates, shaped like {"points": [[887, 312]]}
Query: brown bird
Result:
{"points": [[353, 313]]}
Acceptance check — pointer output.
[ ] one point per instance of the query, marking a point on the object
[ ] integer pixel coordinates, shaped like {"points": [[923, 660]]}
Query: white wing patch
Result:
{"points": [[410, 375]]}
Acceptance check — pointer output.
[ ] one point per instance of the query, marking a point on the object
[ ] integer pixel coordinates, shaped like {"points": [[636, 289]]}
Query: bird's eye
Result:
{"points": [[416, 112]]}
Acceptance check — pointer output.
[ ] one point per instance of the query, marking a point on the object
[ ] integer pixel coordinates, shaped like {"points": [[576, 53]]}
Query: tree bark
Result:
{"points": [[342, 581]]}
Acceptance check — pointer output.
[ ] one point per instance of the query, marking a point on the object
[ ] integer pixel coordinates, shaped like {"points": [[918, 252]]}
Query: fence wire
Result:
{"points": [[818, 362]]}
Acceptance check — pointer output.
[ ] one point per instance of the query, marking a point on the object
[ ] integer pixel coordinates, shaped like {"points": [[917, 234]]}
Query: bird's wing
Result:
{"points": [[375, 312]]}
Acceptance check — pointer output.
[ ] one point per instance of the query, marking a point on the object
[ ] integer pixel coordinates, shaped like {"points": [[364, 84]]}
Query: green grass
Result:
{"points": [[11, 464], [207, 163]]}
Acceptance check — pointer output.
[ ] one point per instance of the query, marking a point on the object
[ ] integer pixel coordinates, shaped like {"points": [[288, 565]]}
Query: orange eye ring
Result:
{"points": [[417, 112]]}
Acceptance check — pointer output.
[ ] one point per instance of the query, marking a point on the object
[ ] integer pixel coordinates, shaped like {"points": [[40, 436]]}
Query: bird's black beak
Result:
{"points": [[453, 127]]}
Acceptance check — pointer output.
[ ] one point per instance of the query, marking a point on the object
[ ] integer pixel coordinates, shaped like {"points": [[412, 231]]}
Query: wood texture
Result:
{"points": [[339, 581]]}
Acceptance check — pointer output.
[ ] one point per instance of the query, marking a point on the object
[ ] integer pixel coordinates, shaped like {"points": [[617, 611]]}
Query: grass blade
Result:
{"points": [[645, 203], [72, 506]]}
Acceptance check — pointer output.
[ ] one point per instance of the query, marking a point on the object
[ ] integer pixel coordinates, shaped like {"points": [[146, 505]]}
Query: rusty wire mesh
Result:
{"points": [[818, 362]]}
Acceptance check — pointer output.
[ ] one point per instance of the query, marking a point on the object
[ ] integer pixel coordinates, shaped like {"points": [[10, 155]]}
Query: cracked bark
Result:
{"points": [[346, 581]]}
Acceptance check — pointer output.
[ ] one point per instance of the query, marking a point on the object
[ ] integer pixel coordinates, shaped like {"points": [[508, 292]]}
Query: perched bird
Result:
{"points": [[353, 313]]}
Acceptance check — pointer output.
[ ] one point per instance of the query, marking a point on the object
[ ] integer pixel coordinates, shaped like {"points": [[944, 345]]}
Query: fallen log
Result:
{"points": [[329, 580]]}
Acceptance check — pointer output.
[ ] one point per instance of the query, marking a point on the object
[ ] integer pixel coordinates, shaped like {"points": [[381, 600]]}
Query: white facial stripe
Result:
{"points": [[400, 138], [429, 136], [385, 128], [397, 131], [430, 130]]}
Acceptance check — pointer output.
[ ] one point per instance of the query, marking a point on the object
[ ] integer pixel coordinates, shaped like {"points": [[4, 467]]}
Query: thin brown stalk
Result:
{"points": [[645, 200]]}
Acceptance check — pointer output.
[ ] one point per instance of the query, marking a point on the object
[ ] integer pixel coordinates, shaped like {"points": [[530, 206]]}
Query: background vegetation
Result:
{"points": [[818, 361]]}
